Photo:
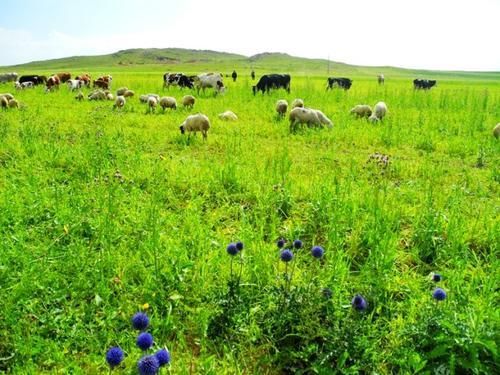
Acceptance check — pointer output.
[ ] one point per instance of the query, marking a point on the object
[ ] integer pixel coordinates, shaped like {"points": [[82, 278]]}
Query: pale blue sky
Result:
{"points": [[430, 34]]}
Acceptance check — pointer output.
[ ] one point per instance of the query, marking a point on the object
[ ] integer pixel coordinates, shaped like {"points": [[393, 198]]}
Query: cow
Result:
{"points": [[8, 77], [234, 75], [344, 83], [425, 84], [207, 80], [104, 82], [272, 81], [63, 76], [381, 79], [24, 85], [75, 84], [36, 79], [177, 79], [52, 83], [85, 78]]}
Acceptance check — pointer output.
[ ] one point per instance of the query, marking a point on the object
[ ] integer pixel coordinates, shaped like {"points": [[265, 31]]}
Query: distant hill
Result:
{"points": [[190, 60]]}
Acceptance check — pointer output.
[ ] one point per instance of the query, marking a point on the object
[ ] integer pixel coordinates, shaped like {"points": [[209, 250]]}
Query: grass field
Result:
{"points": [[105, 213]]}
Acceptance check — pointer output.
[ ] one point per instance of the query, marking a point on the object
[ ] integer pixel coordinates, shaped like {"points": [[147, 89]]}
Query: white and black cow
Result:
{"points": [[177, 79], [8, 77], [272, 81], [209, 80], [424, 84], [36, 79], [344, 83]]}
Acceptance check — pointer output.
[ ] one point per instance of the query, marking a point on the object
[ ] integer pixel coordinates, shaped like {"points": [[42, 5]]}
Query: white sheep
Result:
{"points": [[361, 110], [297, 103], [322, 118], [152, 103], [109, 96], [119, 102], [188, 101], [228, 116], [168, 102], [7, 95], [79, 96], [121, 91], [128, 94], [144, 98], [281, 107], [373, 118], [380, 110], [301, 115], [496, 131], [196, 123], [97, 95]]}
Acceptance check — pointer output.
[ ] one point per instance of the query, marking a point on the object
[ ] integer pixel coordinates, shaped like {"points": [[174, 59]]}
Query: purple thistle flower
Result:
{"points": [[317, 252], [148, 365], [436, 277], [114, 356], [286, 255], [239, 245], [297, 244], [140, 321], [280, 243], [439, 294], [145, 340], [232, 249], [359, 303], [163, 357]]}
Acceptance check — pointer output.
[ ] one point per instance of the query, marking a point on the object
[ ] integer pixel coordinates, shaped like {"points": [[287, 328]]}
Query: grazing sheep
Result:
{"points": [[144, 98], [188, 101], [152, 103], [4, 103], [196, 123], [228, 116], [361, 110], [97, 95], [8, 96], [373, 118], [13, 103], [109, 96], [322, 118], [121, 91], [119, 102], [496, 131], [128, 94], [281, 107], [380, 110], [297, 103], [79, 96], [168, 102], [303, 116]]}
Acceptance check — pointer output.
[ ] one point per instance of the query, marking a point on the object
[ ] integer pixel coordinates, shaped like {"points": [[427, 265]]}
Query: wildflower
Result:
{"points": [[317, 252], [140, 321], [286, 255], [297, 244], [359, 303], [239, 245], [144, 340], [280, 243], [232, 249], [148, 365], [163, 357], [436, 277], [114, 356], [439, 294]]}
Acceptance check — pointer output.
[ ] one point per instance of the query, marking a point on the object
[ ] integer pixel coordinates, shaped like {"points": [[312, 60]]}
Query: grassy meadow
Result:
{"points": [[108, 212]]}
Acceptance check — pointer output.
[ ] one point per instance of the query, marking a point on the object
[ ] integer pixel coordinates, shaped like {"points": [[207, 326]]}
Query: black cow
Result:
{"points": [[177, 79], [424, 84], [272, 81], [36, 79], [234, 75], [344, 83]]}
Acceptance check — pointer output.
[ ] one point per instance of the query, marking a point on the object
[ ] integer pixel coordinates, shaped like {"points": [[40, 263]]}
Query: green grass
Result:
{"points": [[104, 211]]}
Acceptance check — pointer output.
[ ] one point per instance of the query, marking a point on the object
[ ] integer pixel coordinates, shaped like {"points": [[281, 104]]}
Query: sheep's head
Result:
{"points": [[182, 129]]}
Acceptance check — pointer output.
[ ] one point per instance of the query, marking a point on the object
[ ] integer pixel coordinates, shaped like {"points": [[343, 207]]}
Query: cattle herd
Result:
{"points": [[214, 81]]}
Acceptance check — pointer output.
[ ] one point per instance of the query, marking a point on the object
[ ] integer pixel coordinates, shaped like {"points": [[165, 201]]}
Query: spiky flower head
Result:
{"points": [[140, 321], [281, 243], [359, 303], [148, 365], [239, 245], [145, 340], [297, 244], [163, 357], [114, 356], [286, 255], [317, 252], [439, 294], [232, 249]]}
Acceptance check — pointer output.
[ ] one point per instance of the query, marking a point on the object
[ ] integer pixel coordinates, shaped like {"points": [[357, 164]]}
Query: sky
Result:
{"points": [[423, 34]]}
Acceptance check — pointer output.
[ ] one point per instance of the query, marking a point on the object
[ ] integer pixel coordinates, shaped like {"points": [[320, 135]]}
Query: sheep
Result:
{"points": [[13, 103], [228, 116], [496, 131], [128, 94], [361, 110], [152, 103], [144, 98], [97, 95], [168, 102], [9, 96], [322, 118], [119, 102], [281, 107], [4, 103], [188, 101], [121, 91], [196, 123], [301, 115], [109, 96], [79, 96], [373, 118], [297, 103], [380, 110]]}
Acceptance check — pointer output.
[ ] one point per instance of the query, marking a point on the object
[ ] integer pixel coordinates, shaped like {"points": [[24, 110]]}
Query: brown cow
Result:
{"points": [[85, 78], [101, 83], [52, 83], [63, 77]]}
